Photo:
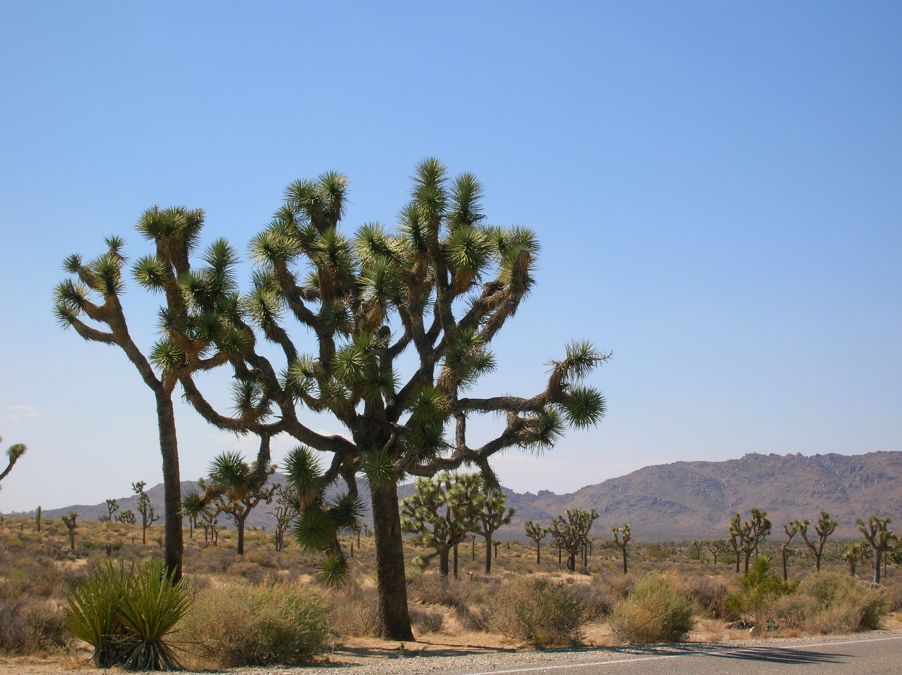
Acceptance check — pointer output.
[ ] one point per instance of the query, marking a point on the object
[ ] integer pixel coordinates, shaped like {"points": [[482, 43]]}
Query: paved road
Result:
{"points": [[846, 656]]}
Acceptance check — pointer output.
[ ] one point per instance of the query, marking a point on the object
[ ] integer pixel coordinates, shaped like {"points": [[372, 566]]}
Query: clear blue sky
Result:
{"points": [[717, 189]]}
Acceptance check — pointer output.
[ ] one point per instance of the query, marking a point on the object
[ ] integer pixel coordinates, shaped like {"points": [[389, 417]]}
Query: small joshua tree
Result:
{"points": [[286, 511], [145, 508], [37, 519], [491, 514], [696, 545], [791, 529], [112, 505], [570, 532], [127, 517], [717, 548], [441, 513], [736, 537], [824, 528], [239, 487], [209, 520], [70, 522], [881, 538], [855, 553], [13, 454], [537, 533], [621, 539], [192, 505], [746, 536]]}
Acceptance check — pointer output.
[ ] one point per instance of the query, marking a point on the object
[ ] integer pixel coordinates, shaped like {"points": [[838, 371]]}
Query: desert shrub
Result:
{"points": [[257, 625], [596, 599], [617, 586], [539, 611], [708, 594], [127, 613], [757, 590], [29, 625], [354, 612], [656, 610], [478, 618], [433, 589], [830, 602], [249, 571], [426, 620]]}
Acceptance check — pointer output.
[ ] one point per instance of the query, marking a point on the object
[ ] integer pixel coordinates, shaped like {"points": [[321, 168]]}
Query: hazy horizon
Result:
{"points": [[716, 191]]}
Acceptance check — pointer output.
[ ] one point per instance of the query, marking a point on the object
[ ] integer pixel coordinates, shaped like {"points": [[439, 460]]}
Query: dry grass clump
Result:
{"points": [[426, 620], [354, 611], [433, 589], [656, 610], [539, 611], [708, 593], [31, 625], [830, 602], [257, 625]]}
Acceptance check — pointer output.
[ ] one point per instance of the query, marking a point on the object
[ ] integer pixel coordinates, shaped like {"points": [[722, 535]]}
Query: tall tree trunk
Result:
{"points": [[737, 562], [488, 554], [239, 522], [877, 561], [455, 561], [624, 560], [172, 487], [571, 561], [538, 553], [443, 563], [473, 547], [785, 571], [852, 566], [391, 583], [817, 561], [748, 557]]}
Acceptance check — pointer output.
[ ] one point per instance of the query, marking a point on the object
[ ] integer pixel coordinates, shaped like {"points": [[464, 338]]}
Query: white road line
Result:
{"points": [[724, 652]]}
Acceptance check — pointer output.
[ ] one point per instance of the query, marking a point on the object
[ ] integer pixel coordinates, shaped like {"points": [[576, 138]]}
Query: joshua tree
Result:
{"points": [[127, 517], [369, 301], [621, 539], [537, 533], [697, 545], [570, 532], [717, 548], [192, 505], [441, 513], [145, 508], [37, 519], [89, 302], [855, 553], [70, 522], [791, 529], [286, 511], [824, 528], [112, 506], [491, 514], [746, 536], [13, 453], [878, 534], [209, 519], [239, 487]]}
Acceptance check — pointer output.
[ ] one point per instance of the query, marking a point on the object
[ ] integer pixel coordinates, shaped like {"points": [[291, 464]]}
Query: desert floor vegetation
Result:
{"points": [[269, 607]]}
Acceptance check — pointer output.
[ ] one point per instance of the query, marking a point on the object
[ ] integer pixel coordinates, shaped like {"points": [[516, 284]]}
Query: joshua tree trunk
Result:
{"points": [[571, 561], [878, 555], [455, 561], [852, 566], [239, 523], [473, 547], [559, 555], [748, 557], [392, 584], [624, 560], [172, 489], [443, 563], [785, 570], [488, 554], [538, 553]]}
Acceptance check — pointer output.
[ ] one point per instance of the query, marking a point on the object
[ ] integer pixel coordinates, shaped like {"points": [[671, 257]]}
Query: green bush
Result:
{"points": [[126, 615], [243, 625], [539, 611], [656, 610], [757, 590]]}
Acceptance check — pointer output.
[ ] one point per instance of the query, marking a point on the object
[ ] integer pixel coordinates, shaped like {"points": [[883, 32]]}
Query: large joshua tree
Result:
{"points": [[13, 453], [570, 532], [239, 487], [430, 296], [89, 302], [745, 537], [823, 529]]}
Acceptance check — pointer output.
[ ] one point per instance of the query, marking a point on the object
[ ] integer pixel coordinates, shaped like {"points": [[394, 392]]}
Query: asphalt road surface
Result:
{"points": [[846, 656]]}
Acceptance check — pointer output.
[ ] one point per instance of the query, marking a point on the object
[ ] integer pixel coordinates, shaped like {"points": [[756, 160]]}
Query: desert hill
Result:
{"points": [[684, 500]]}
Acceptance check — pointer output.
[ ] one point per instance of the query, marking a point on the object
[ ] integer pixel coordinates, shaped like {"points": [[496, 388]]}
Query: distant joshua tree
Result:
{"points": [[145, 508], [491, 514], [286, 511], [717, 548], [791, 529], [855, 553], [192, 505], [824, 528], [112, 505], [570, 532], [12, 455], [239, 487], [878, 534], [621, 539], [70, 522], [37, 519], [127, 517], [209, 519], [745, 537], [537, 533]]}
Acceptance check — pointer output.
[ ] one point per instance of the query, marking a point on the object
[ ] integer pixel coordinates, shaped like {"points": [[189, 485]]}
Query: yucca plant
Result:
{"points": [[127, 613]]}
